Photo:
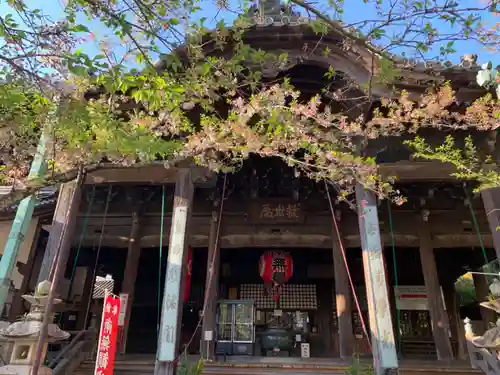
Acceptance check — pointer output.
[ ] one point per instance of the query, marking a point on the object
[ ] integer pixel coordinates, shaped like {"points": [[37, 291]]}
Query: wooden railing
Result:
{"points": [[75, 353], [487, 360]]}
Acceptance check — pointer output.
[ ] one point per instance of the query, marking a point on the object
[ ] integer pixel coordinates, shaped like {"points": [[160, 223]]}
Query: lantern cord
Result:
{"points": [[396, 278], [342, 250], [160, 257], [79, 248], [474, 221], [209, 280], [99, 246]]}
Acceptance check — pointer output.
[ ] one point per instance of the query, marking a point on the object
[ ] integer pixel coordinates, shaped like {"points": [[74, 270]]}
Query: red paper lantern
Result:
{"points": [[276, 267], [189, 270]]}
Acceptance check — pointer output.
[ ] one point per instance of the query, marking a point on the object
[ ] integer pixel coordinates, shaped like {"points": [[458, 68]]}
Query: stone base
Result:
{"points": [[23, 370]]}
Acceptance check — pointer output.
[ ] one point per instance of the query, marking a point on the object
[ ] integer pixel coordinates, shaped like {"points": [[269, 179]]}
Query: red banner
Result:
{"points": [[107, 337]]}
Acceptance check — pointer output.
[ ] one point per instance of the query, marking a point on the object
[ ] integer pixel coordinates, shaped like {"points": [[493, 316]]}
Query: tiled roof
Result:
{"points": [[46, 196]]}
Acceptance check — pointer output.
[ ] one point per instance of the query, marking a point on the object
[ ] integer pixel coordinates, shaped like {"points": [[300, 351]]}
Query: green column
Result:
{"points": [[21, 222]]}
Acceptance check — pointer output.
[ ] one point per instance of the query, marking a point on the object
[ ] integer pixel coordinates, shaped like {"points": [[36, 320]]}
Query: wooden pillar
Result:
{"points": [[172, 304], [81, 321], [462, 342], [130, 273], [491, 202], [61, 256], [440, 329], [343, 300], [211, 286], [482, 293], [383, 345], [325, 318], [63, 226], [450, 299]]}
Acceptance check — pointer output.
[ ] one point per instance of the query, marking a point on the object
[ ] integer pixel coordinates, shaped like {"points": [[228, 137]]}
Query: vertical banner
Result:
{"points": [[108, 336]]}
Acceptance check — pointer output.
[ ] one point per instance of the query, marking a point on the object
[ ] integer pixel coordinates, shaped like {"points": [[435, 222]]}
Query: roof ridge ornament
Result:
{"points": [[275, 13]]}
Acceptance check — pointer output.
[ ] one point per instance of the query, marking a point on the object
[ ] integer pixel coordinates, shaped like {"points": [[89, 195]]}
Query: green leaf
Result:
{"points": [[377, 33], [80, 29], [205, 69]]}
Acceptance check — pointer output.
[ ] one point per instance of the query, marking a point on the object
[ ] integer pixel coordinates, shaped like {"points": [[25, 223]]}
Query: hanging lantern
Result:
{"points": [[189, 270], [275, 268]]}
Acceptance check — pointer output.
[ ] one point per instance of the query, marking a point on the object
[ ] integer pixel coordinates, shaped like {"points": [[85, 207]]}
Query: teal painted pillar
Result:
{"points": [[21, 222], [382, 334]]}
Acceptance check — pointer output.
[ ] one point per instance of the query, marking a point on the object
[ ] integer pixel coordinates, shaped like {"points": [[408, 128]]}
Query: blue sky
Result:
{"points": [[354, 11]]}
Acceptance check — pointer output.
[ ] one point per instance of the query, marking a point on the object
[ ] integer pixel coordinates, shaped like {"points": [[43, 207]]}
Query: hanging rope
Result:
{"points": [[99, 246], [160, 258], [209, 281], [342, 250], [474, 222], [80, 242], [396, 278]]}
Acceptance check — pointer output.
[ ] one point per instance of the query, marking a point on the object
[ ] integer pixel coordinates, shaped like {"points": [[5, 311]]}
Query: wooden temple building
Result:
{"points": [[387, 268]]}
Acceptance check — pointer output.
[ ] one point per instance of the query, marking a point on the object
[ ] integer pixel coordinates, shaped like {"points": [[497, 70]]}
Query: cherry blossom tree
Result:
{"points": [[90, 79]]}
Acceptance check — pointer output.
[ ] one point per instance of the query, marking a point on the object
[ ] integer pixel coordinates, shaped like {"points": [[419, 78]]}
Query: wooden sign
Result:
{"points": [[413, 297], [276, 212], [106, 350], [123, 309], [172, 303]]}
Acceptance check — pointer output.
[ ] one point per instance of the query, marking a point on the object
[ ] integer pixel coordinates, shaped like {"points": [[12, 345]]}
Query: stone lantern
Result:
{"points": [[24, 334]]}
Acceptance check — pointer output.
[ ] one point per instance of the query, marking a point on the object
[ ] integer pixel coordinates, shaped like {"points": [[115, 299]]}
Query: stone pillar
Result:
{"points": [[440, 329], [482, 293], [491, 202], [383, 344], [211, 285], [343, 300], [171, 311], [130, 273]]}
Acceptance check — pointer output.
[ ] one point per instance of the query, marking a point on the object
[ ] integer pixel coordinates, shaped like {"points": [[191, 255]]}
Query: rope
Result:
{"points": [[160, 258], [209, 281], [342, 250], [474, 222], [101, 236], [396, 278], [80, 242]]}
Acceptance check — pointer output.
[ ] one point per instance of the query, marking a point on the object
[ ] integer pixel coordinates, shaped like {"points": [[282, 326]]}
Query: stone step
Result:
{"points": [[146, 367]]}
